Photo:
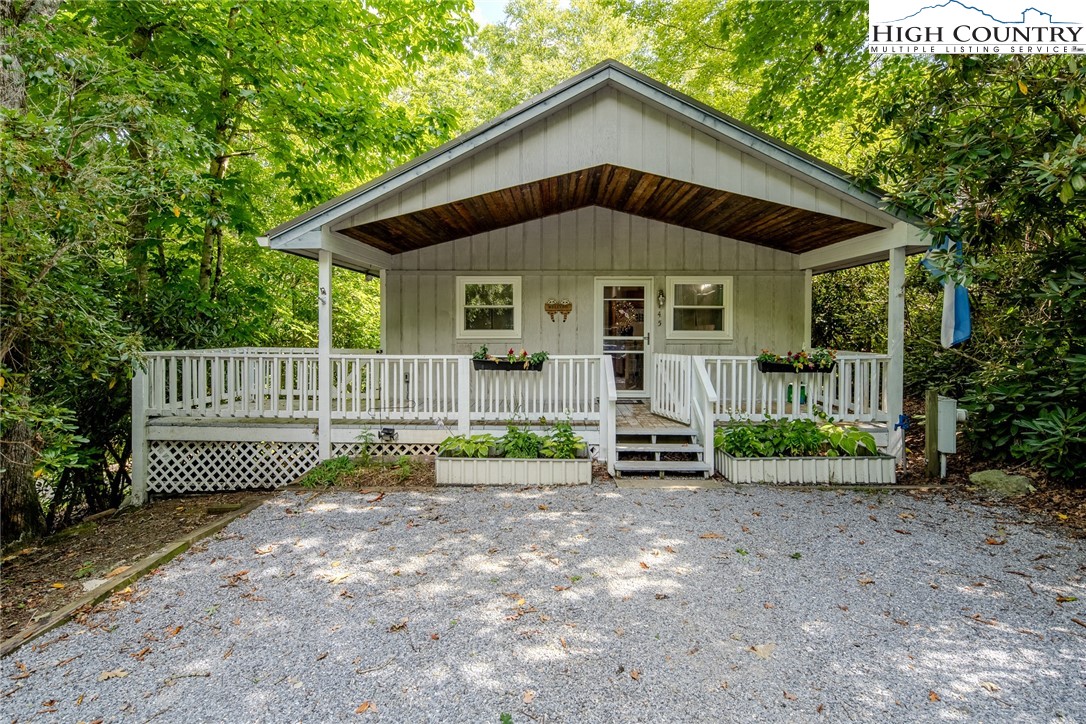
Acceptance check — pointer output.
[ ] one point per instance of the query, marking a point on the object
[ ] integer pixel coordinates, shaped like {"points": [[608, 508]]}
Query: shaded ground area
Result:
{"points": [[586, 604], [43, 577]]}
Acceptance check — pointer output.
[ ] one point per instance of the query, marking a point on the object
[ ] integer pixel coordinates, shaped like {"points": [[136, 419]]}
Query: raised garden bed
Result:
{"points": [[859, 470], [513, 471]]}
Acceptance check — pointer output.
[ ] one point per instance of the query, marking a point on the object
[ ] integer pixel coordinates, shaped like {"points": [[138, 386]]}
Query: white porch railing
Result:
{"points": [[855, 391], [269, 383]]}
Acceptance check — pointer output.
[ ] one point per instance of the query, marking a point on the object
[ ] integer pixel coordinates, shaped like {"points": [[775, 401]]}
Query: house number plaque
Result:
{"points": [[553, 306]]}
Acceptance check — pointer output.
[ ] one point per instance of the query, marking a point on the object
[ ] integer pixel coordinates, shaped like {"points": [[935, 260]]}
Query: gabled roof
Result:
{"points": [[608, 73]]}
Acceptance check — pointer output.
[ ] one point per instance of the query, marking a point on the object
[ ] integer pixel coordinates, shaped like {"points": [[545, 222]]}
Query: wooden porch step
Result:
{"points": [[659, 447], [658, 466], [645, 431]]}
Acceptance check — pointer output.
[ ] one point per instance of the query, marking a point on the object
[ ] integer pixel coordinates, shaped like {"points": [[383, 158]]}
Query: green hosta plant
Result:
{"points": [[520, 443], [792, 438], [563, 443], [467, 446]]}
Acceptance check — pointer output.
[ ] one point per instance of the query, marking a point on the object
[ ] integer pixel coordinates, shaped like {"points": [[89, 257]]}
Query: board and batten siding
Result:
{"points": [[609, 126], [561, 256]]}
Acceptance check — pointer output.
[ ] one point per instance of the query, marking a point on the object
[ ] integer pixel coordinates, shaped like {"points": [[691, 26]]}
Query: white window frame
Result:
{"points": [[727, 284], [462, 332]]}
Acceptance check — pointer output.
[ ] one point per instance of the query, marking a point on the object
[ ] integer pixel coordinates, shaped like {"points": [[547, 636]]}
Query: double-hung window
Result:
{"points": [[488, 307], [699, 308]]}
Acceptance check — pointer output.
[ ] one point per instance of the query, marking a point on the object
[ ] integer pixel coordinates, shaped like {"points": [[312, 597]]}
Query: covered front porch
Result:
{"points": [[218, 419]]}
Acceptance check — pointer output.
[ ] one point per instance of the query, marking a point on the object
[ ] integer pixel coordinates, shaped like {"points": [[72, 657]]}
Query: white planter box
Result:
{"points": [[867, 470], [513, 471]]}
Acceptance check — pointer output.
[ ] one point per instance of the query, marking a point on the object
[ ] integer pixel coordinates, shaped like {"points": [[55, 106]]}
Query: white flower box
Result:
{"points": [[513, 471], [864, 470]]}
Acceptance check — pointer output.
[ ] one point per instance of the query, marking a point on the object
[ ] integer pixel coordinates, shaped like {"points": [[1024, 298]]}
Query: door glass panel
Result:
{"points": [[624, 334], [629, 370]]}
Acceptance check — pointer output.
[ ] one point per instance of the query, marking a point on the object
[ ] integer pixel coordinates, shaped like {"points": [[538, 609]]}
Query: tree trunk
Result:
{"points": [[20, 509]]}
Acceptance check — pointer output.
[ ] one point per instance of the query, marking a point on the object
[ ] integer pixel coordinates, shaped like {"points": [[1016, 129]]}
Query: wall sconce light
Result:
{"points": [[661, 300], [322, 297], [387, 434]]}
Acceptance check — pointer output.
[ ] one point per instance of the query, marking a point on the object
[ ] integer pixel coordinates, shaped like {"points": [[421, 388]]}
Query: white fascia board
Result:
{"points": [[346, 252], [771, 153], [864, 249], [378, 191]]}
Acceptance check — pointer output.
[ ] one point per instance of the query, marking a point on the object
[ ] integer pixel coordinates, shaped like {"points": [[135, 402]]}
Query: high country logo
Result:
{"points": [[954, 26]]}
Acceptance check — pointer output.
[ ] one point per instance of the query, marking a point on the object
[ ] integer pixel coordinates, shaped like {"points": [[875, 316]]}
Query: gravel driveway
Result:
{"points": [[586, 604]]}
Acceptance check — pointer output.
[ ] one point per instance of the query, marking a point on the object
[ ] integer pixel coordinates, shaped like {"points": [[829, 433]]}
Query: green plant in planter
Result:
{"points": [[481, 353], [563, 443], [792, 438], [849, 441], [467, 446], [520, 443]]}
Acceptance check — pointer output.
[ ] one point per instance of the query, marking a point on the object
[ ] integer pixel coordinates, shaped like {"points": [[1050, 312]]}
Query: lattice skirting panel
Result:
{"points": [[352, 449], [187, 466]]}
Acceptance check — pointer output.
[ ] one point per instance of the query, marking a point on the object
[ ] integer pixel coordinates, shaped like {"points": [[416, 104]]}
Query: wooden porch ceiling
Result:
{"points": [[622, 189]]}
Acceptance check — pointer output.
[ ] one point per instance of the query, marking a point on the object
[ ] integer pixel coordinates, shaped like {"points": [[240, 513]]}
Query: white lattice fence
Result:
{"points": [[352, 449], [187, 466]]}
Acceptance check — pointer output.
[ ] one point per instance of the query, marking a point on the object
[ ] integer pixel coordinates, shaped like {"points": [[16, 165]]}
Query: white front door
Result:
{"points": [[624, 332]]}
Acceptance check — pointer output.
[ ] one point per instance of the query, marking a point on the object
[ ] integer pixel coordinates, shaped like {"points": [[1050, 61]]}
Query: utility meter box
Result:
{"points": [[948, 425]]}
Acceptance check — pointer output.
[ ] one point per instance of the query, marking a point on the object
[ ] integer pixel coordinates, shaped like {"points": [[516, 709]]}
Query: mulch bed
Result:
{"points": [[1054, 503], [42, 577]]}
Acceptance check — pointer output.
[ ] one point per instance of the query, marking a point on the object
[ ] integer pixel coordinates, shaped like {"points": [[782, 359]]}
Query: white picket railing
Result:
{"points": [[428, 388], [568, 387], [855, 390], [671, 391]]}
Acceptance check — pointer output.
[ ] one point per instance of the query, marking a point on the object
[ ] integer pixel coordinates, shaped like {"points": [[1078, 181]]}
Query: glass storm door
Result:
{"points": [[626, 332]]}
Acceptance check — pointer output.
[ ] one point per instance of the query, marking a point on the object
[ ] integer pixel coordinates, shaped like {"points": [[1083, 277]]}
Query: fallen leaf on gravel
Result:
{"points": [[767, 605], [58, 585], [789, 697], [138, 656], [114, 674], [994, 541], [710, 536], [435, 636], [117, 571], [544, 506], [263, 551], [401, 626], [562, 641], [561, 588], [79, 700], [336, 564], [620, 632], [364, 707], [379, 496], [745, 528], [635, 675], [932, 696], [1065, 599], [323, 656], [989, 686], [529, 696], [340, 578], [669, 549], [644, 565], [865, 581], [763, 651], [902, 532], [905, 516], [661, 596]]}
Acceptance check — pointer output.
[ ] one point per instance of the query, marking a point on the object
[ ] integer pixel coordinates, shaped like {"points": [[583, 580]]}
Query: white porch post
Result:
{"points": [[324, 356], [808, 277], [139, 437], [895, 336]]}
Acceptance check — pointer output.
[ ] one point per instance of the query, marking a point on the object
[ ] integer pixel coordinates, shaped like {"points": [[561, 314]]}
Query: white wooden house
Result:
{"points": [[669, 242]]}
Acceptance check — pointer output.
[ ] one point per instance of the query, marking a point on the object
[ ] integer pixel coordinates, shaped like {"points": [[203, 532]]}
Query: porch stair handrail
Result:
{"points": [[609, 414], [702, 397]]}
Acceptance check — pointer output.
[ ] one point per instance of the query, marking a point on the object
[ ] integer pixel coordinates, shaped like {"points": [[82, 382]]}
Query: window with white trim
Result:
{"points": [[488, 307], [699, 308]]}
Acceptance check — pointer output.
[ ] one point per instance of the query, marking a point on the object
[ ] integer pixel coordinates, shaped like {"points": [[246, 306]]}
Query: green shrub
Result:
{"points": [[563, 443], [520, 443], [327, 472]]}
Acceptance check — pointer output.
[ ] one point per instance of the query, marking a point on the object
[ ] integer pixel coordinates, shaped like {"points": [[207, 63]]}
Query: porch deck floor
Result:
{"points": [[637, 415]]}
